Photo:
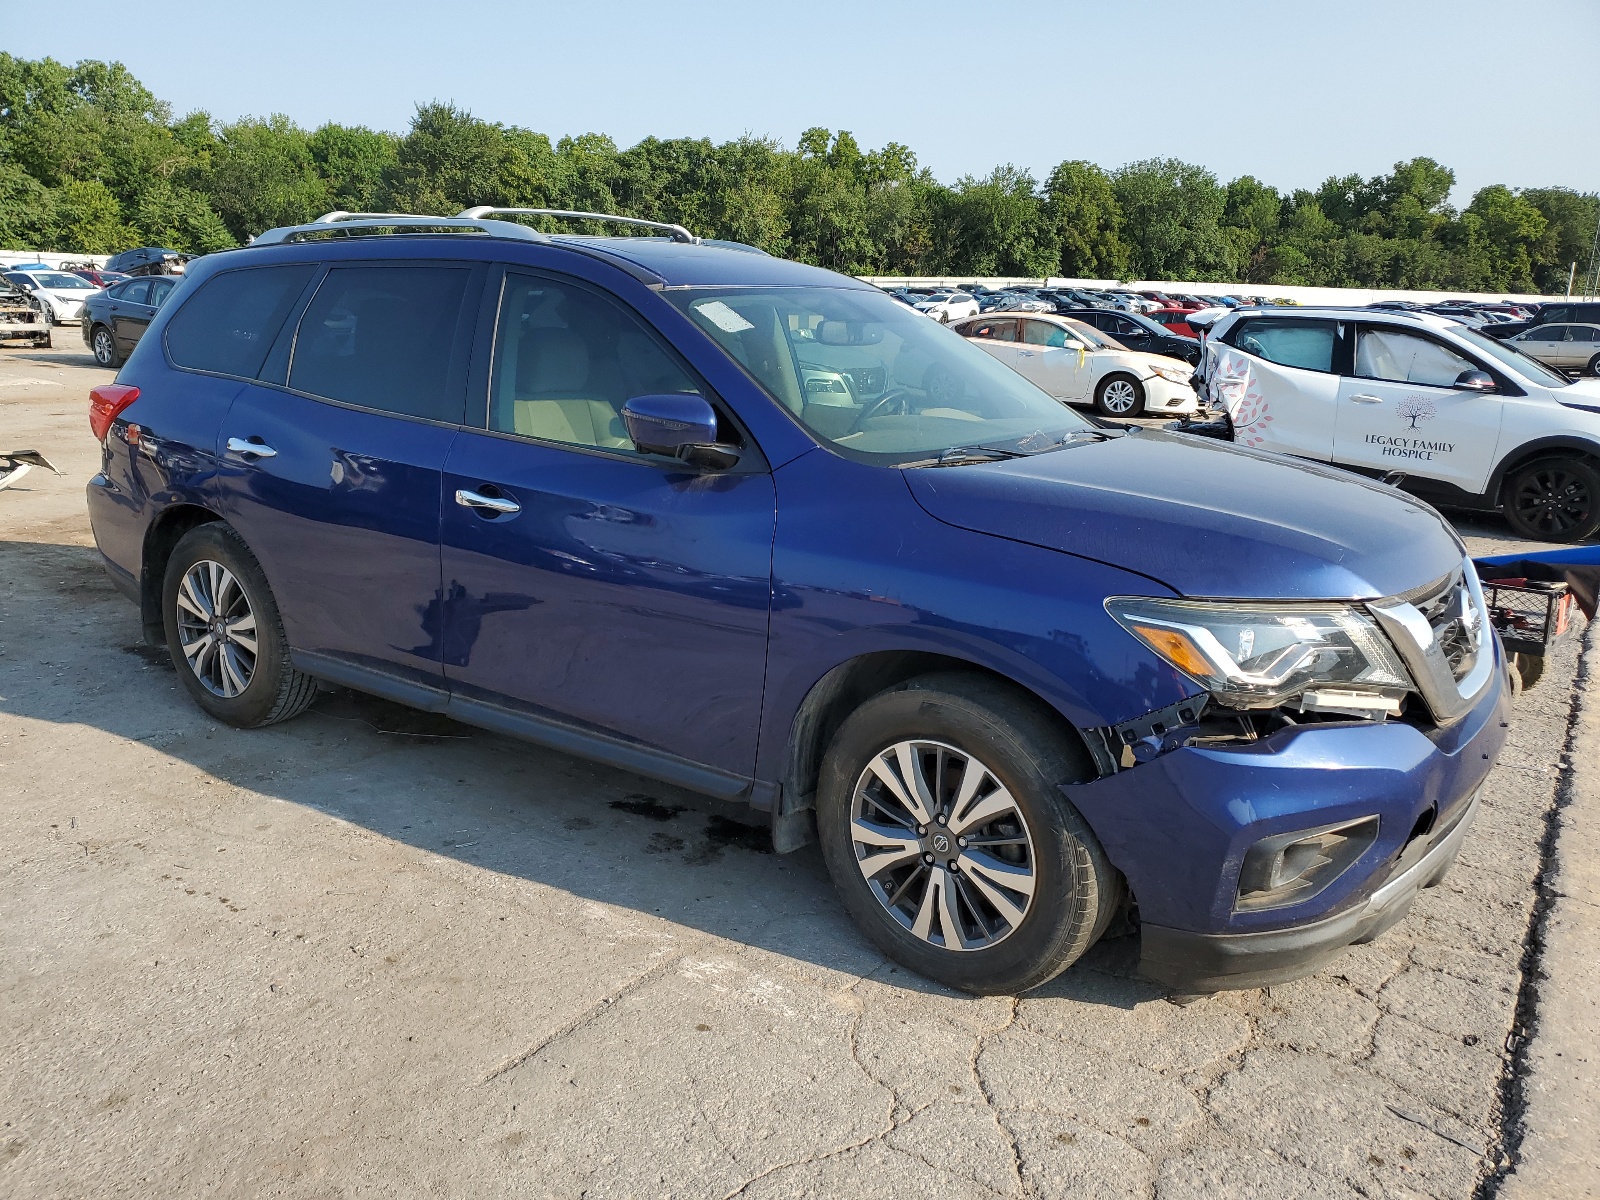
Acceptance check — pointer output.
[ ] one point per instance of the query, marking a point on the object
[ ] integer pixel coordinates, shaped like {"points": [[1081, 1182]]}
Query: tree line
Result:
{"points": [[92, 162]]}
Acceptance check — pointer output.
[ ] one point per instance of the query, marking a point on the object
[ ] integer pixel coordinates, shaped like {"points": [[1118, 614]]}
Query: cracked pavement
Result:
{"points": [[374, 952]]}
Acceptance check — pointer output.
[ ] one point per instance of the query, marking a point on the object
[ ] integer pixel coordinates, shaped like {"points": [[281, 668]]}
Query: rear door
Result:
{"points": [[129, 308], [333, 466], [589, 588], [1399, 410], [1278, 379]]}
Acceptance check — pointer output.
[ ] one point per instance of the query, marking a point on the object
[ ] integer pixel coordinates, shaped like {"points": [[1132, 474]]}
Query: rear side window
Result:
{"points": [[994, 331], [137, 292], [229, 323], [1305, 344], [382, 337]]}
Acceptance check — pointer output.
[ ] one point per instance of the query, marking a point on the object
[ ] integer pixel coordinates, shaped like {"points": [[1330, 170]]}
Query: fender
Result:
{"points": [[1584, 446]]}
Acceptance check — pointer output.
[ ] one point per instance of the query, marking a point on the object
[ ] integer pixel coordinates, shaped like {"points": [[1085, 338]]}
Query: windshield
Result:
{"points": [[1508, 355], [1094, 338], [61, 281], [873, 378]]}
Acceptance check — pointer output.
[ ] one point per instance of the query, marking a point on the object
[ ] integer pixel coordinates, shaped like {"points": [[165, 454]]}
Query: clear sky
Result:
{"points": [[1502, 91]]}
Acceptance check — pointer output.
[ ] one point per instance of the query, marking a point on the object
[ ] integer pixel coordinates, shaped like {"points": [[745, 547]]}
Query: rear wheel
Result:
{"points": [[1120, 396], [1555, 500], [224, 633], [949, 842], [1594, 365], [104, 347]]}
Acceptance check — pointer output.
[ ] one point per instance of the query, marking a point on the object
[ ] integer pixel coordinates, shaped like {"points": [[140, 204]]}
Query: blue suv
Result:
{"points": [[755, 529]]}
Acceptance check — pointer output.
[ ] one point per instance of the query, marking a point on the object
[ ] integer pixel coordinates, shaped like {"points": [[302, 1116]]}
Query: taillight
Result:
{"points": [[105, 402]]}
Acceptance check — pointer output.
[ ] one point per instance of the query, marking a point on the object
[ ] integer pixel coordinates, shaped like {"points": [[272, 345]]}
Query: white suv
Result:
{"points": [[1466, 420]]}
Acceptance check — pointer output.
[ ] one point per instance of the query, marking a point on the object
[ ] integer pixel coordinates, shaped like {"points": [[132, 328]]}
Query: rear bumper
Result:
{"points": [[1209, 962]]}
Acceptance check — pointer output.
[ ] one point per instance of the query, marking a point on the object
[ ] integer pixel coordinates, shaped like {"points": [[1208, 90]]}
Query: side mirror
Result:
{"points": [[679, 425], [1476, 381]]}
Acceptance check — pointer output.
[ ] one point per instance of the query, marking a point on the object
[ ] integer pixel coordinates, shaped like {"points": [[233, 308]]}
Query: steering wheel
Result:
{"points": [[882, 405]]}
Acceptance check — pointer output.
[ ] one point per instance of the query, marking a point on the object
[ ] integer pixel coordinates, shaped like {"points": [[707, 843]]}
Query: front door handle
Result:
{"points": [[496, 504], [254, 447], [1366, 399]]}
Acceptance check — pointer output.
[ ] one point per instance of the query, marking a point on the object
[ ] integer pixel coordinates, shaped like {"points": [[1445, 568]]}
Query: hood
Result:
{"points": [[1202, 517], [1584, 393]]}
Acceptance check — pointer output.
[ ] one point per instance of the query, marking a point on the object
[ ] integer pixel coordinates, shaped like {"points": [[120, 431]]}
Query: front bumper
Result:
{"points": [[1168, 398], [1209, 962], [1180, 825]]}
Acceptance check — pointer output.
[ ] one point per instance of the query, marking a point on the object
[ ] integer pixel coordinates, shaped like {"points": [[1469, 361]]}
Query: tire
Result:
{"points": [[1554, 500], [1119, 396], [1594, 365], [960, 722], [1529, 669], [104, 347], [41, 341], [223, 566]]}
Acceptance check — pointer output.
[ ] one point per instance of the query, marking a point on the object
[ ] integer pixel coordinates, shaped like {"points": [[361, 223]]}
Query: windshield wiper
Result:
{"points": [[955, 456]]}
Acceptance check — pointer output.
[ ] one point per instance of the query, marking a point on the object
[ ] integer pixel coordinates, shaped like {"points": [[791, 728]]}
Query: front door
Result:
{"points": [[1278, 379], [1400, 410], [130, 309], [589, 586], [1053, 359], [333, 476]]}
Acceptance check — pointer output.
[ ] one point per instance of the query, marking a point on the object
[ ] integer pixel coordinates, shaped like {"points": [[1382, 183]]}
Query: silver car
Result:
{"points": [[1571, 347]]}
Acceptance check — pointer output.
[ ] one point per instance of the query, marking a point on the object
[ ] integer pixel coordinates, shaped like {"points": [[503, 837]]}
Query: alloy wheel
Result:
{"points": [[1119, 397], [1553, 500], [217, 629], [104, 351], [943, 845]]}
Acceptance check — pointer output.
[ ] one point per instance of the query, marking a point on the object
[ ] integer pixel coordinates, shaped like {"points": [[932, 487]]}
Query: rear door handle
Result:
{"points": [[253, 446], [497, 504], [1366, 399]]}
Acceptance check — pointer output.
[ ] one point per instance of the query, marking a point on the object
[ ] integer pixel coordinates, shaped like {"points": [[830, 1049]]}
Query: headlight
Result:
{"points": [[1176, 373], [1258, 656]]}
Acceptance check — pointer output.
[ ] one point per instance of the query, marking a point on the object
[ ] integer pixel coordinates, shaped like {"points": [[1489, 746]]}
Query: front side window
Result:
{"points": [[565, 362], [382, 337], [915, 389], [1400, 357], [1308, 345], [1043, 333], [228, 324]]}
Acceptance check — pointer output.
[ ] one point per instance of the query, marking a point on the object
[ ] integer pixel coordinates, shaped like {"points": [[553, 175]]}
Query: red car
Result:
{"points": [[98, 276], [1174, 319]]}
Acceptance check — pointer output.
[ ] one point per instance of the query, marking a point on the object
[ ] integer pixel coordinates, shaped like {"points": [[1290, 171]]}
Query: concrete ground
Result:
{"points": [[373, 952]]}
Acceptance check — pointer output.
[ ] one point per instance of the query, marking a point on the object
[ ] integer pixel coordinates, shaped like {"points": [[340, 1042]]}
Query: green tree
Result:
{"points": [[1081, 208], [1172, 212], [353, 161], [997, 226], [263, 174]]}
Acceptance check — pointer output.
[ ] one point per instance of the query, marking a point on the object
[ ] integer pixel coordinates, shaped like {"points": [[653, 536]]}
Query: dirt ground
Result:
{"points": [[373, 952]]}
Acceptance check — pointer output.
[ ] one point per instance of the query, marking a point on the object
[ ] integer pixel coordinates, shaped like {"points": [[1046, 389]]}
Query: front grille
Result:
{"points": [[1455, 621]]}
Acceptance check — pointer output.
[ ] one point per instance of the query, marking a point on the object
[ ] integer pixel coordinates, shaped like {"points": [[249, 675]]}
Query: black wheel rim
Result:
{"points": [[1553, 500]]}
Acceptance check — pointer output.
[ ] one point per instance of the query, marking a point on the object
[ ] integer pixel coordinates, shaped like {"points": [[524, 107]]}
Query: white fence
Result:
{"points": [[15, 258], [1340, 297]]}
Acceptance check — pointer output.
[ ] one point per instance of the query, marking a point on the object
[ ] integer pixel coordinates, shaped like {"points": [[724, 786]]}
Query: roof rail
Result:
{"points": [[342, 225], [678, 232], [329, 218]]}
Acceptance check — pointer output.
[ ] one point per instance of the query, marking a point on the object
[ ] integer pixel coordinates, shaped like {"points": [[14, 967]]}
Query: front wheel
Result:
{"points": [[1556, 500], [104, 347], [224, 633], [949, 842], [1120, 396]]}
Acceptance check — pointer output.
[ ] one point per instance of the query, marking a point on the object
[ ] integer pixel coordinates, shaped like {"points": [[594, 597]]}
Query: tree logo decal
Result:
{"points": [[1232, 386], [1416, 408]]}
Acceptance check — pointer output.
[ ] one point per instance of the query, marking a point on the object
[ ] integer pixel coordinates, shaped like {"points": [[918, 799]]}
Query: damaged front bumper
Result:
{"points": [[1181, 825]]}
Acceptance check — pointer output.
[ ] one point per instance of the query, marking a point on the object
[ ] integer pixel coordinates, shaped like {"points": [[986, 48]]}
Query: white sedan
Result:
{"points": [[1077, 363], [62, 294], [945, 307]]}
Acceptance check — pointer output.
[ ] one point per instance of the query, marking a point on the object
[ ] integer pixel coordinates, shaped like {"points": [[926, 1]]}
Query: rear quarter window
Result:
{"points": [[227, 326]]}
